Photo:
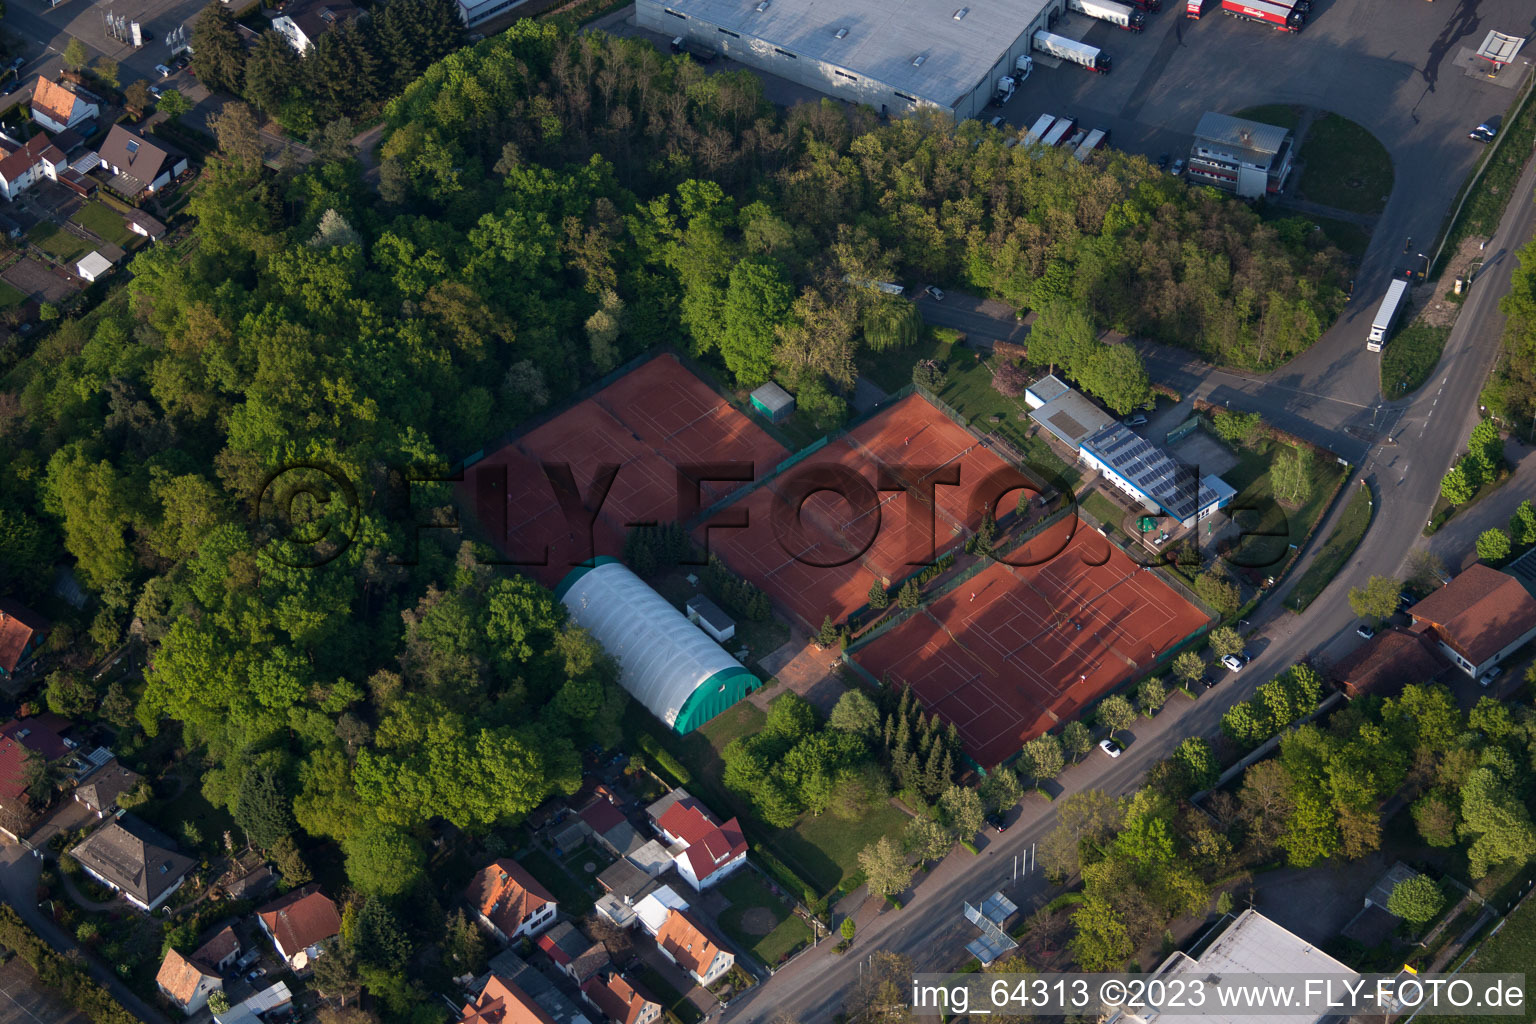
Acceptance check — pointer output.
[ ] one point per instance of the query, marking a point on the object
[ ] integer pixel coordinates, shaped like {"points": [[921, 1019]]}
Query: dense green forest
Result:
{"points": [[548, 206], [1511, 393]]}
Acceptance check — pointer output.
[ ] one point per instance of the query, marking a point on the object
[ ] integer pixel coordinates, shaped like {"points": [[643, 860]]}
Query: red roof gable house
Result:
{"points": [[575, 954], [20, 741], [685, 942], [1478, 619], [22, 632], [298, 923], [187, 982], [622, 1003], [1389, 661], [704, 850], [57, 108], [510, 902], [502, 1002], [25, 163]]}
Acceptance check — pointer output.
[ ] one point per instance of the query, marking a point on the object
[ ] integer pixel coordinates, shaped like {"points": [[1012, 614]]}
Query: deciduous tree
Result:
{"points": [[1377, 600], [886, 871]]}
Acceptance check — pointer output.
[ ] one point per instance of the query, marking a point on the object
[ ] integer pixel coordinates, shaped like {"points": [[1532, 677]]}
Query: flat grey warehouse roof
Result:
{"points": [[885, 37]]}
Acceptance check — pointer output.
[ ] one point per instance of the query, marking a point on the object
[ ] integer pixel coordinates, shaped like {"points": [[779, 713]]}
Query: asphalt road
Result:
{"points": [[1401, 449]]}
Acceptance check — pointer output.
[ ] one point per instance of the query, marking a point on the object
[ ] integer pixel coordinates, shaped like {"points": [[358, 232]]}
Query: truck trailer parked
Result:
{"points": [[1386, 314], [1062, 48], [1279, 16], [1128, 18], [1146, 5], [1041, 126], [1095, 139], [1058, 131], [1194, 8]]}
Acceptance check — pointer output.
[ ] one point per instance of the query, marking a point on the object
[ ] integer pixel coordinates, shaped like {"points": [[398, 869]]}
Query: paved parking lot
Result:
{"points": [[24, 1001]]}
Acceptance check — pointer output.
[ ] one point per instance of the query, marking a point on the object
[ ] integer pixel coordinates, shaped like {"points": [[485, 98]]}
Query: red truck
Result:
{"points": [[1278, 15], [1194, 8]]}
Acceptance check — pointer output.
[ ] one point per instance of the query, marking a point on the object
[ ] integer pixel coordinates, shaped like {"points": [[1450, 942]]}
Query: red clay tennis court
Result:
{"points": [[1015, 651], [648, 423], [824, 564]]}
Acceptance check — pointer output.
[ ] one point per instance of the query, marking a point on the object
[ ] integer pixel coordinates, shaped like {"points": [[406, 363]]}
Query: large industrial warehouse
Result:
{"points": [[895, 55], [665, 662]]}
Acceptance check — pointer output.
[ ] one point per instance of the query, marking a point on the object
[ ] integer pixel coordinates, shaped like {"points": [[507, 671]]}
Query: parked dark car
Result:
{"points": [[998, 822]]}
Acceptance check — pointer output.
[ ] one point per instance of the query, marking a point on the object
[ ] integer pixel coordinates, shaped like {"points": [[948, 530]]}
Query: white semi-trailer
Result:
{"points": [[1094, 140], [1059, 131], [1041, 126], [1128, 18], [1386, 314], [1062, 48]]}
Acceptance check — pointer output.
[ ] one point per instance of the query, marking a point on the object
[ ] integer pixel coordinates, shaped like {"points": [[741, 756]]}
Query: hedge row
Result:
{"points": [[68, 979]]}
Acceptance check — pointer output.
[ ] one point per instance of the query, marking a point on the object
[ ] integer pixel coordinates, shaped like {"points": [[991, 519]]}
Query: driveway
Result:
{"points": [[19, 871]]}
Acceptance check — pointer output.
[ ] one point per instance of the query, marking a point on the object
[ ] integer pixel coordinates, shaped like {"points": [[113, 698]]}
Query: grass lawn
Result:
{"points": [[746, 890], [1269, 528], [825, 850], [1511, 951], [568, 892], [1410, 357], [168, 815], [1345, 166], [1330, 558], [104, 222], [58, 243], [1351, 238], [1109, 514], [672, 1001], [10, 296], [1282, 115]]}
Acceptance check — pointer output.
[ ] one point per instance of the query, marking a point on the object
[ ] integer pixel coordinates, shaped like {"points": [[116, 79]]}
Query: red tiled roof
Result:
{"points": [[217, 948], [22, 738], [179, 977], [55, 101], [507, 894], [502, 1002], [715, 849], [688, 820], [602, 815], [301, 919], [615, 997], [686, 941], [17, 622], [1387, 662], [1479, 613]]}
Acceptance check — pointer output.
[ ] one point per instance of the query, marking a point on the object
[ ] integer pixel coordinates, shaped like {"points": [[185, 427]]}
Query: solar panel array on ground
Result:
{"points": [[650, 424], [1019, 649]]}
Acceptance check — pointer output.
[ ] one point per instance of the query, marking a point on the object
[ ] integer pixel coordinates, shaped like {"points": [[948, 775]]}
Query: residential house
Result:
{"points": [[612, 995], [509, 901], [1387, 662], [577, 956], [535, 985], [22, 632], [21, 740], [132, 858], [1478, 619], [137, 165], [630, 879], [298, 923], [221, 951], [684, 941], [704, 850], [652, 910], [502, 1002], [607, 824], [186, 982], [26, 163], [57, 108], [303, 22], [99, 790]]}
